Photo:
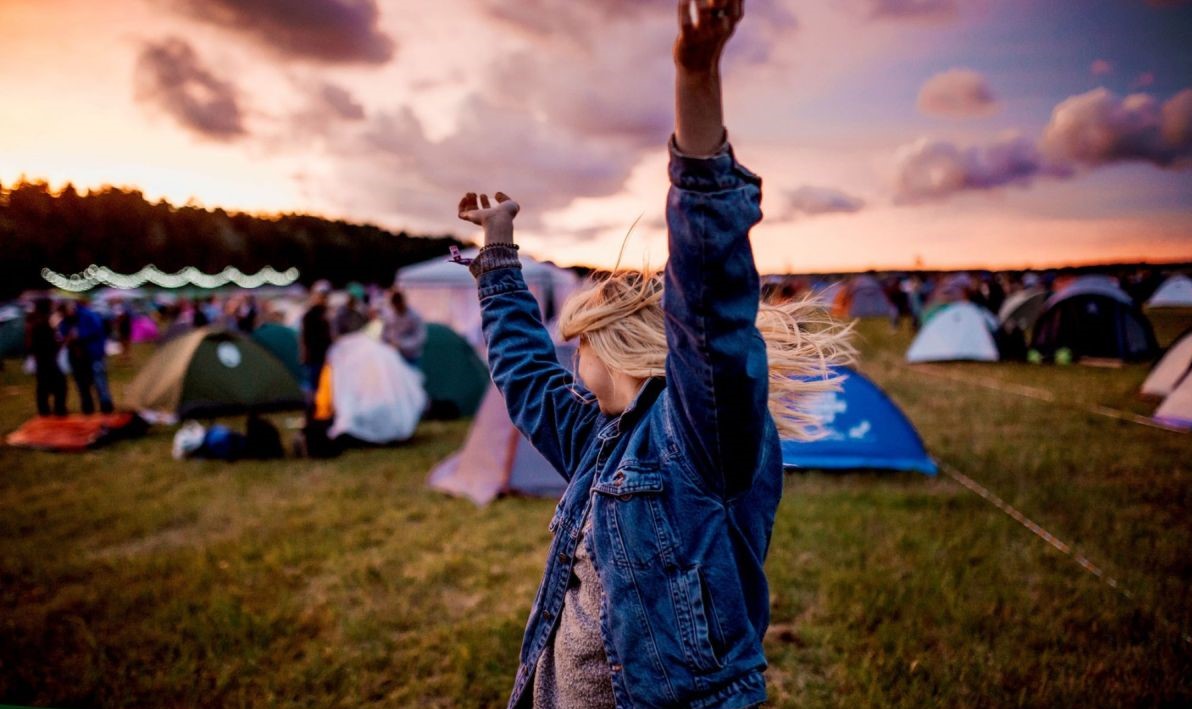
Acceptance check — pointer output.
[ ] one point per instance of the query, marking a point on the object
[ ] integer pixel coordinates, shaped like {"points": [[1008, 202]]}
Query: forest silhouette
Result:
{"points": [[67, 231]]}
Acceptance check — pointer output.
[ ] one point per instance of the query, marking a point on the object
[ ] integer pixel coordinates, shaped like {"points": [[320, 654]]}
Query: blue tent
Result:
{"points": [[866, 431]]}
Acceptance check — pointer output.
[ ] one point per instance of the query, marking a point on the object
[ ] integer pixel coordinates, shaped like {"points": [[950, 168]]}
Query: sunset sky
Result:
{"points": [[889, 133]]}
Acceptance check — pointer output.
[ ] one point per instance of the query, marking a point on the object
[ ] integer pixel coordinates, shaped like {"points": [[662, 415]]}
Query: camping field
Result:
{"points": [[130, 580]]}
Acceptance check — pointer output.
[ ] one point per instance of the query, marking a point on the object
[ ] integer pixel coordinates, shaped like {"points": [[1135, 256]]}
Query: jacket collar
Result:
{"points": [[641, 403]]}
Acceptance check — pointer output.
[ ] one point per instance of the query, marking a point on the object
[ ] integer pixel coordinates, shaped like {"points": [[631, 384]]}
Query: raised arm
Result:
{"points": [[716, 362], [544, 400]]}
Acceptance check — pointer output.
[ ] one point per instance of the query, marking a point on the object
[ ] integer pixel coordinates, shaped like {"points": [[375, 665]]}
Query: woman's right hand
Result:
{"points": [[497, 220]]}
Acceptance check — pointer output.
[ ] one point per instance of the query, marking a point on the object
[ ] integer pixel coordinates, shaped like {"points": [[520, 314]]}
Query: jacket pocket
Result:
{"points": [[632, 505], [696, 619]]}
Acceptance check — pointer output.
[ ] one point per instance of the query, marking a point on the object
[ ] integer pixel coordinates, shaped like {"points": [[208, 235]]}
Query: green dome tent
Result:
{"points": [[456, 379], [212, 372], [12, 331], [281, 342]]}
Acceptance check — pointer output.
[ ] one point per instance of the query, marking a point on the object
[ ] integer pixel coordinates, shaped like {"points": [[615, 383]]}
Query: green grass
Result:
{"points": [[129, 579]]}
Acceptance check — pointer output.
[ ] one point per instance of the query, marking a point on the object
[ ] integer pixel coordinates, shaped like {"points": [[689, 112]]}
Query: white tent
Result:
{"points": [[445, 292], [1176, 409], [377, 396], [1176, 292], [1175, 366], [960, 331]]}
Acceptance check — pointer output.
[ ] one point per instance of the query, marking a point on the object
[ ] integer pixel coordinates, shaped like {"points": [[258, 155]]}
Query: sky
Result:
{"points": [[889, 133]]}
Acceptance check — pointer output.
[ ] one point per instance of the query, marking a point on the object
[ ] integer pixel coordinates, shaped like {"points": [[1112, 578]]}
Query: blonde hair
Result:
{"points": [[621, 319]]}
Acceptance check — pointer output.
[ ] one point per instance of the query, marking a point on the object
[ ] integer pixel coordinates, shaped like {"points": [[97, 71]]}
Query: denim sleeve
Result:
{"points": [[544, 400], [716, 369]]}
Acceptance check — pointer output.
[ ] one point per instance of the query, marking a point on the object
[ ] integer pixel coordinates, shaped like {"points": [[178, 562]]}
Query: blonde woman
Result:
{"points": [[654, 593]]}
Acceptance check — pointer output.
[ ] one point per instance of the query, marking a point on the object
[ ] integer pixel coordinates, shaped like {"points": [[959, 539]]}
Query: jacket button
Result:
{"points": [[626, 498], [547, 615], [563, 558], [615, 668]]}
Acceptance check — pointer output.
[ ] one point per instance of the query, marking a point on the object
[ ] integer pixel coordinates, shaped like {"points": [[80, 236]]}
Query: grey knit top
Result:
{"points": [[573, 670]]}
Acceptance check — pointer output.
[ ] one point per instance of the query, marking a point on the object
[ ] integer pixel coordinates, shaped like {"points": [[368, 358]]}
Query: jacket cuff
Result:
{"points": [[493, 257], [713, 173]]}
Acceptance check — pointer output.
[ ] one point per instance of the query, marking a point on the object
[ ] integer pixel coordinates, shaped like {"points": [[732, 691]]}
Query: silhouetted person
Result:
{"points": [[404, 329], [42, 343], [316, 335]]}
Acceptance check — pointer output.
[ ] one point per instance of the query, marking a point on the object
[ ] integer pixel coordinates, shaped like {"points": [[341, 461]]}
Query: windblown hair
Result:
{"points": [[621, 319]]}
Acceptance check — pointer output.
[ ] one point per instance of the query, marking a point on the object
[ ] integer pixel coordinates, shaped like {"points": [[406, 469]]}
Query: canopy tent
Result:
{"points": [[376, 396], [12, 331], [445, 292], [863, 297], [865, 431], [1176, 292], [1175, 366], [212, 372], [496, 459], [959, 331], [1021, 310], [281, 342], [456, 379], [1176, 409], [1092, 318]]}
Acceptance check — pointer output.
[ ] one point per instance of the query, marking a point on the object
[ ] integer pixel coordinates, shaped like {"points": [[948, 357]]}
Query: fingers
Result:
{"points": [[484, 203], [501, 197], [466, 205]]}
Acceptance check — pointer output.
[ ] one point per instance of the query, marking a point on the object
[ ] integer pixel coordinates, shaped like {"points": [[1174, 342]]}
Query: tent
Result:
{"points": [[1175, 366], [1021, 310], [12, 331], [1176, 292], [960, 331], [865, 431], [281, 342], [456, 379], [863, 297], [1092, 318], [1176, 409], [445, 292], [496, 459], [144, 329], [212, 372], [377, 397]]}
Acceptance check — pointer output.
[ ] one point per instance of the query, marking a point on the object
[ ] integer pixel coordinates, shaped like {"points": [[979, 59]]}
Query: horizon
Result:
{"points": [[953, 133]]}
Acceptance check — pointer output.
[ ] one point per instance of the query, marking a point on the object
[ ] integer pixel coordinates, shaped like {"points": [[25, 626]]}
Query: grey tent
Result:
{"points": [[863, 297], [496, 460]]}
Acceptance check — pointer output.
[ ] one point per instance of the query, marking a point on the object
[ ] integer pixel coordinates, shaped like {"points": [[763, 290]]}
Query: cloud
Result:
{"points": [[339, 102], [811, 201], [915, 9], [1100, 67], [497, 147], [958, 93], [321, 30], [170, 75], [934, 169], [1099, 128]]}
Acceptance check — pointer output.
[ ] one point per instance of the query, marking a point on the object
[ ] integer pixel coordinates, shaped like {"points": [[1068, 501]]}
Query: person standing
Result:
{"points": [[404, 329], [86, 339], [316, 335], [42, 343]]}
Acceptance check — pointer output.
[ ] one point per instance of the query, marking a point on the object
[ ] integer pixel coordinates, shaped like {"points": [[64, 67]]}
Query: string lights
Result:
{"points": [[94, 276]]}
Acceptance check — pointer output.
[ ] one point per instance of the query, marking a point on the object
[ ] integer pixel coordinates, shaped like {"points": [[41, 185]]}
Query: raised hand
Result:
{"points": [[497, 219], [704, 28]]}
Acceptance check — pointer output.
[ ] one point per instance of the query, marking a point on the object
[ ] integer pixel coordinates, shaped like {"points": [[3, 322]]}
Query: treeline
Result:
{"points": [[118, 228]]}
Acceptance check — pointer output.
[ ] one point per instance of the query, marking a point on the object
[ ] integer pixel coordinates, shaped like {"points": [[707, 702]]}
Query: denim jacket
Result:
{"points": [[683, 485]]}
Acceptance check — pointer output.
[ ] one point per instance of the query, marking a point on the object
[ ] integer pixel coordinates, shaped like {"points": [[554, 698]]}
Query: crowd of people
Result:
{"points": [[72, 338]]}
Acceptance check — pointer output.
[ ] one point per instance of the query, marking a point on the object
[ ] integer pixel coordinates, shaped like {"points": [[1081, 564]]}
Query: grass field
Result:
{"points": [[130, 580]]}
